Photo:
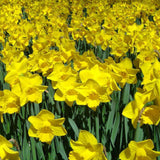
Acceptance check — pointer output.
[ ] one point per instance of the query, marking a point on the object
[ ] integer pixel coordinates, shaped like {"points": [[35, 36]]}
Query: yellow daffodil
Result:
{"points": [[45, 127], [86, 148], [92, 94], [12, 58], [139, 150], [60, 74], [81, 62], [6, 153], [9, 103], [95, 73], [29, 88], [151, 115], [43, 61], [101, 76], [67, 91], [124, 73], [146, 56], [134, 109], [15, 70], [156, 70]]}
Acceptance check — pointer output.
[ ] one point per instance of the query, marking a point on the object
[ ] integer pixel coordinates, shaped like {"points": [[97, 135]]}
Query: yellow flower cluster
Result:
{"points": [[45, 31], [89, 82], [93, 82], [145, 109], [39, 37], [115, 26]]}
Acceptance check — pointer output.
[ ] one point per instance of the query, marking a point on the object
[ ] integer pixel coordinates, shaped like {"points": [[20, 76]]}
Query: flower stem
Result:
{"points": [[137, 133]]}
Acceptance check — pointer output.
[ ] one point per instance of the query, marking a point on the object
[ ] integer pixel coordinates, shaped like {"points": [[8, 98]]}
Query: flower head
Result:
{"points": [[92, 94], [5, 152], [139, 150], [9, 103], [86, 147], [45, 127]]}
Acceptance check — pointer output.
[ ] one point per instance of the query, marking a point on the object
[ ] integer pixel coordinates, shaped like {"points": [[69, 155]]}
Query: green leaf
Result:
{"points": [[126, 129], [115, 128], [97, 125], [25, 147], [40, 152], [126, 94], [60, 148], [53, 151], [62, 151], [138, 133], [33, 147], [74, 127], [109, 123], [36, 108]]}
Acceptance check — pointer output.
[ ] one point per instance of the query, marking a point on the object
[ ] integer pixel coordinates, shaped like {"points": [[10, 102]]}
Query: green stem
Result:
{"points": [[97, 126], [33, 148], [137, 133]]}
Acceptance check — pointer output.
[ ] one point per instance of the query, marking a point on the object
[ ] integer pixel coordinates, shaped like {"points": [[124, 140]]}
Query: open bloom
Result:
{"points": [[136, 110], [45, 127], [101, 75], [124, 73], [9, 103], [139, 150], [29, 88], [60, 74], [92, 94], [86, 148], [5, 152], [66, 91]]}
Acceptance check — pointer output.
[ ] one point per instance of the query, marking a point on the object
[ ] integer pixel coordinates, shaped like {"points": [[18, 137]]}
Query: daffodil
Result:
{"points": [[29, 88], [81, 62], [100, 74], [15, 70], [45, 127], [6, 153], [92, 94], [151, 115], [124, 73], [9, 103], [139, 150], [134, 110], [86, 148], [96, 73], [60, 73], [67, 91]]}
